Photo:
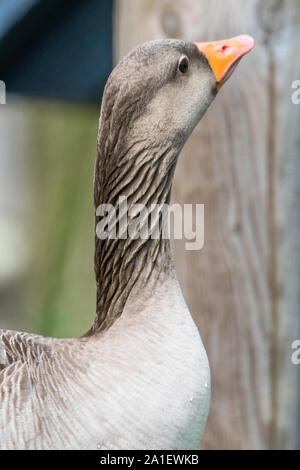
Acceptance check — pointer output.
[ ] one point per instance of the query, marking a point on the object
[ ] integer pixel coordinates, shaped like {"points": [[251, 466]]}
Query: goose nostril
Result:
{"points": [[224, 47]]}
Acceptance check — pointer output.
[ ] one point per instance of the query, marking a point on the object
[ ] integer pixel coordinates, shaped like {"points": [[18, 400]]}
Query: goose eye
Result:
{"points": [[183, 64]]}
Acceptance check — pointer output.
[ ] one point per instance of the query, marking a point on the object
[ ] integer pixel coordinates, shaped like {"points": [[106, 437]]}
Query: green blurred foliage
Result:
{"points": [[60, 285]]}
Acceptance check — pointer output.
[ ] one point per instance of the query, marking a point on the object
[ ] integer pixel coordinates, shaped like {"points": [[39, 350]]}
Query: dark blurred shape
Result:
{"points": [[56, 49]]}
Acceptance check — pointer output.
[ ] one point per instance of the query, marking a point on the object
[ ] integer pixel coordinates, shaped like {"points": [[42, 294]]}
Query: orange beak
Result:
{"points": [[223, 56]]}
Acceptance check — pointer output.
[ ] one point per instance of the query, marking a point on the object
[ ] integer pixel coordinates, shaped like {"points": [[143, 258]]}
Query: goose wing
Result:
{"points": [[41, 391], [22, 348], [20, 357]]}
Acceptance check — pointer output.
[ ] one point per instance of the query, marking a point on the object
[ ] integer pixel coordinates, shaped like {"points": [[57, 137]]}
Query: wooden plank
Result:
{"points": [[283, 43], [242, 287]]}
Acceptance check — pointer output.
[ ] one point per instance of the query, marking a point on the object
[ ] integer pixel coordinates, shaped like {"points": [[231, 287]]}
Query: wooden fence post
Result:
{"points": [[242, 162]]}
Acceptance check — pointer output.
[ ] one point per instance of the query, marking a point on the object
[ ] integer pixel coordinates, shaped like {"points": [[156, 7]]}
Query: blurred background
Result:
{"points": [[242, 162]]}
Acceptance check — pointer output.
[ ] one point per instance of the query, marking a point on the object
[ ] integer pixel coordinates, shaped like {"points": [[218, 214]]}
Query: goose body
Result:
{"points": [[139, 379], [115, 391]]}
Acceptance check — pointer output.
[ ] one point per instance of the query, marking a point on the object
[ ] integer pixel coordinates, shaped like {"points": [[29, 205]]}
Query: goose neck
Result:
{"points": [[132, 248]]}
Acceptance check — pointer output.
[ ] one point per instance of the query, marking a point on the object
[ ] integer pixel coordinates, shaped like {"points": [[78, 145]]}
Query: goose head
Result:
{"points": [[161, 90]]}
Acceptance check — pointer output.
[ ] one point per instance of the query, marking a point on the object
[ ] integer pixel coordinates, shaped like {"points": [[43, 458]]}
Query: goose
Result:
{"points": [[140, 377]]}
